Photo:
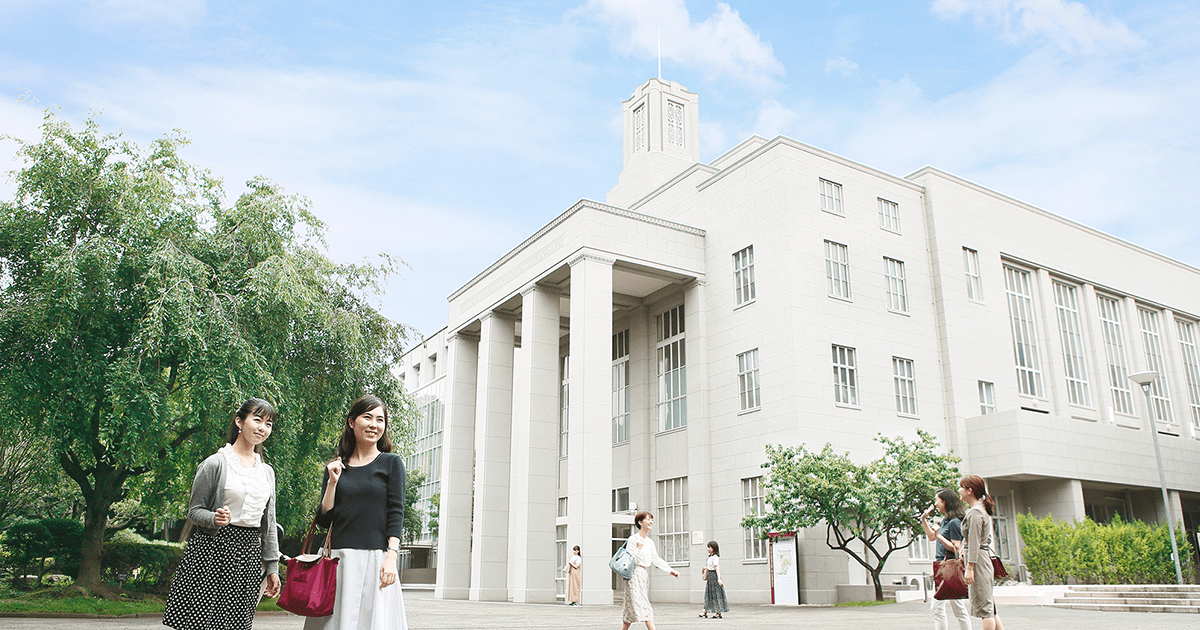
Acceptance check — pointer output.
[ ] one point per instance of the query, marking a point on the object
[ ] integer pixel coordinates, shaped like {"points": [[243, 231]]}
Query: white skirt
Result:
{"points": [[360, 604]]}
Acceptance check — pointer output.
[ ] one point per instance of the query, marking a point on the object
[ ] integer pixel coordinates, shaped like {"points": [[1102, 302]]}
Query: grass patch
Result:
{"points": [[63, 600], [866, 603]]}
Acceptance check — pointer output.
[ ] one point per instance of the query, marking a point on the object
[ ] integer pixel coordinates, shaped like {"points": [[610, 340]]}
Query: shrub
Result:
{"points": [[28, 546], [146, 566], [1118, 553]]}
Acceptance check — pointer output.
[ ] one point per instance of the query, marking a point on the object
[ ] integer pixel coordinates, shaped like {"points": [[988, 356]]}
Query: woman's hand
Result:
{"points": [[926, 513], [703, 573], [223, 515], [970, 574], [674, 573], [387, 573], [272, 585], [720, 583], [334, 468]]}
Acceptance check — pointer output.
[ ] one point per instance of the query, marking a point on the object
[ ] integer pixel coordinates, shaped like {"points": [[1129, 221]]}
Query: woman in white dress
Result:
{"points": [[637, 589]]}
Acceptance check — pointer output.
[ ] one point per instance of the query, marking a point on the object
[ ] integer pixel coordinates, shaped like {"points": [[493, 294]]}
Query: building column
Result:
{"points": [[458, 470], [589, 447], [699, 462], [1097, 360], [535, 448], [493, 448]]}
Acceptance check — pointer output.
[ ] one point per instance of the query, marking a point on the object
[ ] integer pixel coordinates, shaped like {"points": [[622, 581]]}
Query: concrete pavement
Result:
{"points": [[425, 612]]}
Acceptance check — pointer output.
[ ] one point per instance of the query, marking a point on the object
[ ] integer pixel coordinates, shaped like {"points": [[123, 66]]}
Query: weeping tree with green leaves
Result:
{"points": [[138, 309], [870, 510]]}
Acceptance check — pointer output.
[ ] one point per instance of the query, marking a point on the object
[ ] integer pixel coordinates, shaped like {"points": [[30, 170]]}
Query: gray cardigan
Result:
{"points": [[208, 494]]}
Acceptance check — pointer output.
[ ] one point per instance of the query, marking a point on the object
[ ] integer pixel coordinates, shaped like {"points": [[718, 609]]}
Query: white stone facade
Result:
{"points": [[714, 357]]}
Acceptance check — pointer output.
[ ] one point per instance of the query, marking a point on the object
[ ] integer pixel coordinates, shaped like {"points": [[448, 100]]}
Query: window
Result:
{"points": [[560, 560], [432, 366], [1114, 355], [906, 386], [889, 216], [845, 381], [753, 503], [672, 370], [743, 275], [897, 288], [987, 398], [748, 380], [620, 500], [674, 124], [427, 448], [562, 506], [837, 269], [974, 280], [1024, 332], [672, 520], [1160, 400], [620, 387], [564, 406], [1066, 306], [831, 197], [921, 547], [1191, 367], [639, 128], [1000, 527], [416, 369]]}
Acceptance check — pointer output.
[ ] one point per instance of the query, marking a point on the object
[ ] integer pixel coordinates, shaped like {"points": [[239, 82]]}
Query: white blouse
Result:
{"points": [[712, 562], [648, 554], [246, 489]]}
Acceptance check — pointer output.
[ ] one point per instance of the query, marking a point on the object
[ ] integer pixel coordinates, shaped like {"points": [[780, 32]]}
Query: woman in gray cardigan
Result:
{"points": [[220, 579]]}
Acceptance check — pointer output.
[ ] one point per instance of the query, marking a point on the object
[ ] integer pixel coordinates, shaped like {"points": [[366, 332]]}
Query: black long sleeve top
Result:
{"points": [[368, 505]]}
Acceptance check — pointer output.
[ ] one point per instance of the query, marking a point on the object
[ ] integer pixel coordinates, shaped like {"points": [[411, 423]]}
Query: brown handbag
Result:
{"points": [[998, 570], [949, 579]]}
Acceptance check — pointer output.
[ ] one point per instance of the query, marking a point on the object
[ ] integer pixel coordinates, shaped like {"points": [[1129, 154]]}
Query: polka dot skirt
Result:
{"points": [[217, 583]]}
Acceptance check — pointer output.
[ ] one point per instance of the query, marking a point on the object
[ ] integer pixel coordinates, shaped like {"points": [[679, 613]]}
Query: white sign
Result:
{"points": [[784, 572], [698, 537]]}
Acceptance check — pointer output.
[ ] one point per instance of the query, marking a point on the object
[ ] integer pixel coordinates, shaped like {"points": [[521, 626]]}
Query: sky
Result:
{"points": [[445, 133]]}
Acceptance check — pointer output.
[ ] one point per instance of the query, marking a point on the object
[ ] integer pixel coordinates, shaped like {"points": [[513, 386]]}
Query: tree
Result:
{"points": [[435, 508], [867, 509], [137, 310], [414, 519]]}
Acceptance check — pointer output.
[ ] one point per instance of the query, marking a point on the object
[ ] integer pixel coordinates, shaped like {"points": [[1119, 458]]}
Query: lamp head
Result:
{"points": [[1144, 378]]}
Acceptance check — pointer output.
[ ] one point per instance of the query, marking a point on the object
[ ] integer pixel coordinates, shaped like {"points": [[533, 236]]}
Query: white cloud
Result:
{"points": [[842, 65], [1067, 25], [773, 119], [721, 45], [145, 12]]}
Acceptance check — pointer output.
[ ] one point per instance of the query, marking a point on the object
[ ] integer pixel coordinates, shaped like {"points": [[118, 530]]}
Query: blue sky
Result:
{"points": [[445, 133]]}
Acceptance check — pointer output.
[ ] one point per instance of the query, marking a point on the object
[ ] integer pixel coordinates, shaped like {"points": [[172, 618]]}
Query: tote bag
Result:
{"points": [[311, 580], [949, 579], [622, 562]]}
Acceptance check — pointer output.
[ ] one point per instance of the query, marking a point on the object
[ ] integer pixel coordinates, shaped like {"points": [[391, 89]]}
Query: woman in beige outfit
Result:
{"points": [[574, 570], [977, 535]]}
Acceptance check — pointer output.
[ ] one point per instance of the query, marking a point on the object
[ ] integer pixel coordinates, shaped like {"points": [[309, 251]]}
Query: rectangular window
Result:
{"points": [[753, 504], [906, 386], [560, 560], [897, 287], [620, 500], [672, 370], [889, 215], [1024, 333], [1000, 527], [672, 520], [748, 379], [987, 398], [674, 124], [639, 128], [837, 269], [845, 381], [831, 197], [564, 406], [1191, 368], [427, 448], [1114, 355], [921, 548], [974, 280], [743, 275], [620, 387], [1066, 306], [562, 506], [1160, 399]]}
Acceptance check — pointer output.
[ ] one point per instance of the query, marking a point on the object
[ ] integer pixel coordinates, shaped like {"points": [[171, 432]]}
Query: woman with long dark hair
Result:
{"points": [[220, 579], [363, 501], [977, 536], [949, 540], [637, 589]]}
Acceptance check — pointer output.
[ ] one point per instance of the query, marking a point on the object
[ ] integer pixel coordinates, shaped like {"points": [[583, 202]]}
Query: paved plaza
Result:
{"points": [[424, 612]]}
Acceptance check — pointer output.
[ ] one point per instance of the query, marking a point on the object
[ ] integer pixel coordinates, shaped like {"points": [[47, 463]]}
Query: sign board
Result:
{"points": [[785, 572]]}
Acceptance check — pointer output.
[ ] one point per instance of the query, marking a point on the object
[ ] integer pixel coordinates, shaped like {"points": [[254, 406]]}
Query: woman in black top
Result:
{"points": [[363, 501]]}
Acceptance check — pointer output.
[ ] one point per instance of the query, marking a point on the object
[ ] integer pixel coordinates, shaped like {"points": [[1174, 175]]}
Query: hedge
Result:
{"points": [[145, 565], [1087, 553]]}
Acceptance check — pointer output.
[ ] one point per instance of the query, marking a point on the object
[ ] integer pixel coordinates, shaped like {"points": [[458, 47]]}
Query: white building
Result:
{"points": [[645, 350]]}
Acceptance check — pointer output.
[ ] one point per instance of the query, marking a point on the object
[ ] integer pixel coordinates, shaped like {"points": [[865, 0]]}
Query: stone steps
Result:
{"points": [[1161, 598]]}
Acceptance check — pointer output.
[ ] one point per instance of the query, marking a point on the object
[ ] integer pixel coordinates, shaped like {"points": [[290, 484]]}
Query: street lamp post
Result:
{"points": [[1144, 379]]}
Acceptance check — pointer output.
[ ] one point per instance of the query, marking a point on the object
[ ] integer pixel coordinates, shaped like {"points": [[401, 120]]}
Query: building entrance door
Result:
{"points": [[620, 533]]}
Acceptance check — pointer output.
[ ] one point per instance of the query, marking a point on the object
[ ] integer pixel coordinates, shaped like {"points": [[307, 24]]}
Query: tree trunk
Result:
{"points": [[106, 488], [878, 584]]}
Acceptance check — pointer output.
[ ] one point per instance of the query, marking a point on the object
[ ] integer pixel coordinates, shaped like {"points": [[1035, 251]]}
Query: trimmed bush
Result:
{"points": [[1117, 553], [145, 566]]}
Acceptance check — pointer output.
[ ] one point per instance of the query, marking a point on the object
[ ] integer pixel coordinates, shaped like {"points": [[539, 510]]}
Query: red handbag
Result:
{"points": [[998, 570], [311, 580], [949, 579]]}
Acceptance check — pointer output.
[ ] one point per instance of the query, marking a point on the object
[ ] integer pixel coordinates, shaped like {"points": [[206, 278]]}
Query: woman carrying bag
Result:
{"points": [[977, 536], [363, 504], [220, 579], [949, 541]]}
